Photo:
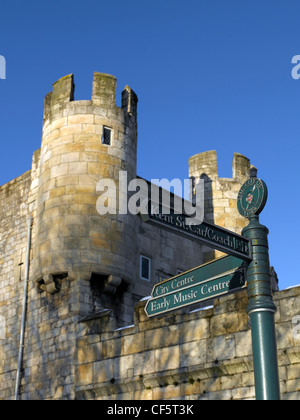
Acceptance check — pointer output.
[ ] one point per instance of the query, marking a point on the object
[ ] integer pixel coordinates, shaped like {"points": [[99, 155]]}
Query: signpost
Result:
{"points": [[228, 274], [251, 201]]}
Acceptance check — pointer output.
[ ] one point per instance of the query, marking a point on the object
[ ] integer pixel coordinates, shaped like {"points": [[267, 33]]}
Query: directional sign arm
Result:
{"points": [[210, 270], [211, 235], [193, 294]]}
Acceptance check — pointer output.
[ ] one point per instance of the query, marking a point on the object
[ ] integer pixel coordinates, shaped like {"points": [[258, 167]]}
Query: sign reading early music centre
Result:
{"points": [[197, 285]]}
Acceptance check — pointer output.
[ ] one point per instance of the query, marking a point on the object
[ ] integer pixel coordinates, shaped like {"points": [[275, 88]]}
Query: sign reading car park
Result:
{"points": [[197, 285], [207, 233]]}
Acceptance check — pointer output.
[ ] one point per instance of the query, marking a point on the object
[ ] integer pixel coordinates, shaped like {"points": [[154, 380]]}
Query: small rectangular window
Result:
{"points": [[145, 268], [107, 136]]}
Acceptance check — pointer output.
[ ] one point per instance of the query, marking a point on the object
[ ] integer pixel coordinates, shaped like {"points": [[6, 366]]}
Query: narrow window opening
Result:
{"points": [[107, 136], [145, 268]]}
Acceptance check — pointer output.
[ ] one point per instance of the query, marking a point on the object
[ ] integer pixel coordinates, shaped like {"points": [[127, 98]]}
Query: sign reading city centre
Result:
{"points": [[208, 281]]}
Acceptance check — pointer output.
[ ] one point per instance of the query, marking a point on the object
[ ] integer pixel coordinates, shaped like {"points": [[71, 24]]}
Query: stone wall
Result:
{"points": [[205, 354], [13, 213], [51, 324]]}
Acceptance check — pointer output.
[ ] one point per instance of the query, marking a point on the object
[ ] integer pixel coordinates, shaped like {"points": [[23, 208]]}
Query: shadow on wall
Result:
{"points": [[208, 253]]}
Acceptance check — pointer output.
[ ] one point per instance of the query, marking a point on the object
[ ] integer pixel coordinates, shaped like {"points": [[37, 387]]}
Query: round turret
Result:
{"points": [[84, 142]]}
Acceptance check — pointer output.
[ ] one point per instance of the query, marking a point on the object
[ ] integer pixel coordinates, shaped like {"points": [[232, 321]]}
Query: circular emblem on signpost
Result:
{"points": [[252, 197]]}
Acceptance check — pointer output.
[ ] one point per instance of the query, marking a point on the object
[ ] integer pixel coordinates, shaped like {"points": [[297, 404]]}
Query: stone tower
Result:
{"points": [[83, 142], [220, 195]]}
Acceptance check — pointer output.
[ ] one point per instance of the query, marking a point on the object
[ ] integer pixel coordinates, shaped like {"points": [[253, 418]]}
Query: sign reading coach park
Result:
{"points": [[211, 235], [208, 281]]}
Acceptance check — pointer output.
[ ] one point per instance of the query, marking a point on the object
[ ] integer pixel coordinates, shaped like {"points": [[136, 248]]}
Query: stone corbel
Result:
{"points": [[48, 284], [111, 284]]}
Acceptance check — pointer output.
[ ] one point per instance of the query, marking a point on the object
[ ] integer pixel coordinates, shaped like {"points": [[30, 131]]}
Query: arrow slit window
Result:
{"points": [[145, 268], [107, 136]]}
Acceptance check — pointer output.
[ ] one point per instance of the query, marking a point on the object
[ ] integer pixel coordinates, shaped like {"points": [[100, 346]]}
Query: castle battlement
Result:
{"points": [[61, 101], [205, 165]]}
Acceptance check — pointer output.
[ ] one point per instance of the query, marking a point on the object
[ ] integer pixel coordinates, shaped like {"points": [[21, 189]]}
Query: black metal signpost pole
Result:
{"points": [[261, 309]]}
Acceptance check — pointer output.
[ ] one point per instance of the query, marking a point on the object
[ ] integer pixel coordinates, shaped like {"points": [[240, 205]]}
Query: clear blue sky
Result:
{"points": [[210, 74]]}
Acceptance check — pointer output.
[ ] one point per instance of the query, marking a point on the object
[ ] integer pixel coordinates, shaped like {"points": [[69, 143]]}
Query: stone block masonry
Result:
{"points": [[204, 354]]}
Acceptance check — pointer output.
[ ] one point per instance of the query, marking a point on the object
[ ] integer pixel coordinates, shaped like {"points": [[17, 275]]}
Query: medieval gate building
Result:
{"points": [[86, 333]]}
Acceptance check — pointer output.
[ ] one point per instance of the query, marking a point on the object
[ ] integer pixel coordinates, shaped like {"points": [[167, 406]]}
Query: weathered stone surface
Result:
{"points": [[214, 364]]}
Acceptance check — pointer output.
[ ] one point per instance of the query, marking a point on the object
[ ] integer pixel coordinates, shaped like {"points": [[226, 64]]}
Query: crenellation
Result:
{"points": [[104, 90], [204, 163], [63, 90], [129, 102], [240, 167], [47, 106]]}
